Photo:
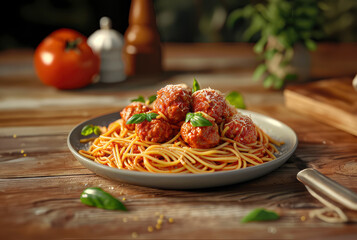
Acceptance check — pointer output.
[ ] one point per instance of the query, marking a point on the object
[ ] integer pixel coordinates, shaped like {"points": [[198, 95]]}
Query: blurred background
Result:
{"points": [[178, 21]]}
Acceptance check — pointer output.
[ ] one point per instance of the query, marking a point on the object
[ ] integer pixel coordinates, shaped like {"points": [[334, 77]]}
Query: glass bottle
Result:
{"points": [[142, 47]]}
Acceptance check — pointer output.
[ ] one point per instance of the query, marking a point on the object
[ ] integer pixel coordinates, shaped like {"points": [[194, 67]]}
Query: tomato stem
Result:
{"points": [[72, 44]]}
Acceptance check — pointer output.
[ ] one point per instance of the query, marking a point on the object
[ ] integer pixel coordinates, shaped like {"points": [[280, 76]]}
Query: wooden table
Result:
{"points": [[40, 181]]}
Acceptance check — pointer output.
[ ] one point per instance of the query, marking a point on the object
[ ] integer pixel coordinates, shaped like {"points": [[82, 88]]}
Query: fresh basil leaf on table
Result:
{"points": [[96, 197], [260, 214]]}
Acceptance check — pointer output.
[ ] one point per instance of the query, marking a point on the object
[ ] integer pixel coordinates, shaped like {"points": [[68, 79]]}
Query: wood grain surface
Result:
{"points": [[41, 182]]}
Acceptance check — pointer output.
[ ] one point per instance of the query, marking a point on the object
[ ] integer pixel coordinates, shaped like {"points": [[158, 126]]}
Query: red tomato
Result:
{"points": [[65, 60]]}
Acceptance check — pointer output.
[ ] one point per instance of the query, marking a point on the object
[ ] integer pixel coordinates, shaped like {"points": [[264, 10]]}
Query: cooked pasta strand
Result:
{"points": [[121, 148]]}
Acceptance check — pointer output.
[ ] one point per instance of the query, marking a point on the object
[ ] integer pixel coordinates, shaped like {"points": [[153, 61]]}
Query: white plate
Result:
{"points": [[274, 128]]}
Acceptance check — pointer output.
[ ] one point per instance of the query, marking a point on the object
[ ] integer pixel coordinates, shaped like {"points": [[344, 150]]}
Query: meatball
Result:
{"points": [[200, 137], [241, 129], [158, 131], [174, 101], [232, 110], [130, 110], [212, 103]]}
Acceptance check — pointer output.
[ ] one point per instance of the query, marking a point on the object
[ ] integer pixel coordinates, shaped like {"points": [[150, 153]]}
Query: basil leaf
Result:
{"points": [[87, 130], [269, 54], [290, 77], [268, 81], [96, 130], [189, 116], [260, 214], [196, 86], [310, 44], [151, 116], [236, 99], [142, 99], [139, 99], [199, 121], [96, 197], [259, 71], [259, 46], [279, 83], [152, 99], [136, 118]]}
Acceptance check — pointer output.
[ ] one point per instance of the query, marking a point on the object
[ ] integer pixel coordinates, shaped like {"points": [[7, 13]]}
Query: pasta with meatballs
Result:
{"points": [[182, 132]]}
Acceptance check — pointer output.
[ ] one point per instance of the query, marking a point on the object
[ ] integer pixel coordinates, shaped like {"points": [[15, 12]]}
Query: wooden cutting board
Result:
{"points": [[332, 101]]}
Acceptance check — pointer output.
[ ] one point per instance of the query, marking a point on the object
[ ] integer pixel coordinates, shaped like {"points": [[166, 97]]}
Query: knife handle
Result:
{"points": [[327, 187]]}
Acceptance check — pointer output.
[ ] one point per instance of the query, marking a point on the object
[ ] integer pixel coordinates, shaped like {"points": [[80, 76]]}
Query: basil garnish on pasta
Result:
{"points": [[138, 99], [141, 117], [96, 197], [197, 120], [260, 214], [150, 100], [170, 139], [195, 86], [151, 116], [236, 99], [89, 129]]}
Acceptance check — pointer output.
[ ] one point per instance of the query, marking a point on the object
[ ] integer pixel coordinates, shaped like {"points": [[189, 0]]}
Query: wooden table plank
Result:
{"points": [[56, 204]]}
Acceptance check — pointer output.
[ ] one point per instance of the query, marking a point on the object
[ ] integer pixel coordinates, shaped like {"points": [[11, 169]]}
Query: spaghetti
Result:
{"points": [[121, 148], [166, 137]]}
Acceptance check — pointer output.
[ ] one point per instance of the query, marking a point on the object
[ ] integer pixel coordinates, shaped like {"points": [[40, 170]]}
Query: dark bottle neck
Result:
{"points": [[142, 13]]}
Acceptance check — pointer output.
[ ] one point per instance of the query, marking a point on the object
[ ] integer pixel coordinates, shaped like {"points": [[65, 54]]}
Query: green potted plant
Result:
{"points": [[283, 26]]}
